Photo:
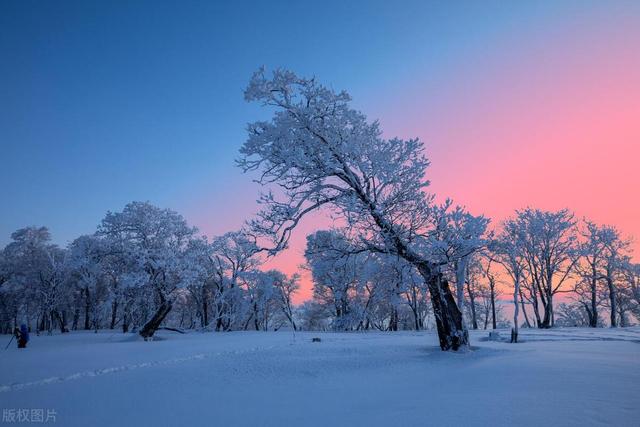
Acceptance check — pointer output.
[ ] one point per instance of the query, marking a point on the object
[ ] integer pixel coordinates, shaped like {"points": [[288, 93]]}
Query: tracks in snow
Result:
{"points": [[112, 370]]}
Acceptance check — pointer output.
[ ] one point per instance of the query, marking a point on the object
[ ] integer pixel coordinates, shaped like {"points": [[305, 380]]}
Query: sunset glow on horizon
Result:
{"points": [[536, 104], [553, 124]]}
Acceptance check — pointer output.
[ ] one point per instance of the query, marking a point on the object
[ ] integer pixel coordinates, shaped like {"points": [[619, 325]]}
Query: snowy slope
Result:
{"points": [[558, 377]]}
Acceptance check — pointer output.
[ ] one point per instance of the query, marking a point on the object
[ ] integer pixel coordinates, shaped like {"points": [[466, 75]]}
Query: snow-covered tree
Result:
{"points": [[548, 248], [416, 295], [321, 153], [233, 254], [337, 276], [592, 250], [507, 249], [85, 267], [632, 288], [260, 299], [158, 242], [313, 316], [616, 256], [286, 287], [473, 281], [458, 235], [491, 280], [34, 269], [120, 275], [572, 315]]}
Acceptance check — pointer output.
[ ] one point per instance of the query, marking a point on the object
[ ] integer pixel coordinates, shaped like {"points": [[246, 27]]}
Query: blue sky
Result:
{"points": [[108, 102]]}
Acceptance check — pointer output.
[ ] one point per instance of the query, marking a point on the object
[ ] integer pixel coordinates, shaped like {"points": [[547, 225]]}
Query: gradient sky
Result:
{"points": [[520, 103]]}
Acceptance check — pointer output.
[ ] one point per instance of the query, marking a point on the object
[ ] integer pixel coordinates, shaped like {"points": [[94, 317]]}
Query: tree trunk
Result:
{"points": [[623, 318], [87, 309], [51, 319], [114, 313], [535, 304], [514, 335], [612, 300], [415, 317], [62, 321], [255, 317], [205, 307], [493, 305], [589, 315], [546, 321], [393, 322], [547, 303], [524, 310], [154, 323], [76, 318], [516, 307], [472, 303], [593, 319], [461, 272], [452, 333]]}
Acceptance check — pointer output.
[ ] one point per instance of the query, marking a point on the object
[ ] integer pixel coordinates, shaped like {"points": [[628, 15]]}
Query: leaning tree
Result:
{"points": [[159, 242], [319, 153]]}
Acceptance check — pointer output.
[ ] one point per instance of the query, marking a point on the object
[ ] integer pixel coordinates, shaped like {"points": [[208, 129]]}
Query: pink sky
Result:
{"points": [[551, 120]]}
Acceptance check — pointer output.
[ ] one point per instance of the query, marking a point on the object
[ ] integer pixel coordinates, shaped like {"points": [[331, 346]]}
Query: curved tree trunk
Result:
{"points": [[451, 331], [154, 323]]}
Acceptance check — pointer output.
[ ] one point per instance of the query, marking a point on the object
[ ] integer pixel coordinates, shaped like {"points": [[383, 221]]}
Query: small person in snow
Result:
{"points": [[22, 336]]}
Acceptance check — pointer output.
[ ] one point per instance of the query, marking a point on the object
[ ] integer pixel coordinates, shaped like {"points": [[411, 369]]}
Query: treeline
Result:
{"points": [[355, 290], [530, 260], [143, 268]]}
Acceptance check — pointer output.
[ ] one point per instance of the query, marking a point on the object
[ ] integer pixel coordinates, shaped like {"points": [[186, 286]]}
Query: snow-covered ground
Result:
{"points": [[560, 377]]}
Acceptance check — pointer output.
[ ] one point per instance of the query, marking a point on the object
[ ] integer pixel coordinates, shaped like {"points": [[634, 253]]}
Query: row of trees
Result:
{"points": [[144, 266], [534, 256], [388, 266], [549, 253]]}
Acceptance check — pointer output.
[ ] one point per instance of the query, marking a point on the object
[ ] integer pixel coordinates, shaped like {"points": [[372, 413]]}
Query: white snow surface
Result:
{"points": [[559, 377]]}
